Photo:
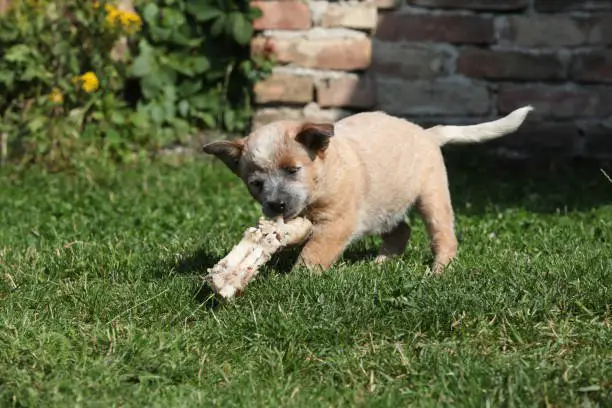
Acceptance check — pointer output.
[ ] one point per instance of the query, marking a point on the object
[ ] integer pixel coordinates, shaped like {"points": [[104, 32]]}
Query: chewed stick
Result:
{"points": [[231, 274]]}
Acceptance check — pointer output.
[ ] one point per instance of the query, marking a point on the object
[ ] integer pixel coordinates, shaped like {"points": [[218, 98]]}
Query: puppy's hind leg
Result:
{"points": [[394, 242], [435, 207]]}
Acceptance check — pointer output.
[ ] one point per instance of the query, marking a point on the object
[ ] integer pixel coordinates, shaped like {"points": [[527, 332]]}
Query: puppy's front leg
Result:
{"points": [[325, 246]]}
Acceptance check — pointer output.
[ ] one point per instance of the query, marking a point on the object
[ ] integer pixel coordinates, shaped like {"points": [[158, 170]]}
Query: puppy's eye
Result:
{"points": [[256, 184], [292, 169]]}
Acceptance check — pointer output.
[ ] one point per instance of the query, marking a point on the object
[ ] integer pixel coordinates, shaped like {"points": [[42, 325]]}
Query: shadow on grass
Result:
{"points": [[538, 185], [199, 261], [480, 183], [194, 264]]}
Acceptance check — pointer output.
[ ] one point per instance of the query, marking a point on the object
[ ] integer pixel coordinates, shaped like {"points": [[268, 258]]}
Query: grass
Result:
{"points": [[101, 305]]}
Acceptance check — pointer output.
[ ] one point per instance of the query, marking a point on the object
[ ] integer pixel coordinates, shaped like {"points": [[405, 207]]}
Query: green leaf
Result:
{"points": [[207, 118], [112, 136], [172, 18], [97, 116], [228, 119], [200, 64], [19, 53], [201, 101], [150, 13], [218, 26], [37, 123], [140, 118], [184, 108], [152, 85], [118, 118], [169, 103], [202, 10], [159, 34], [157, 113], [42, 146], [189, 87], [35, 72], [254, 13], [215, 75], [145, 62], [7, 78], [177, 62], [184, 40], [242, 29], [186, 65]]}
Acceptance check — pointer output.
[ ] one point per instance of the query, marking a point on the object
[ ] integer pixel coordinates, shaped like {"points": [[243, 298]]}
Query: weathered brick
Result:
{"points": [[263, 116], [539, 138], [311, 112], [454, 29], [350, 91], [510, 65], [556, 6], [358, 16], [558, 30], [557, 101], [443, 97], [285, 88], [4, 5], [495, 5], [384, 4], [324, 53], [533, 138], [125, 5], [594, 66], [598, 139], [282, 15], [406, 60]]}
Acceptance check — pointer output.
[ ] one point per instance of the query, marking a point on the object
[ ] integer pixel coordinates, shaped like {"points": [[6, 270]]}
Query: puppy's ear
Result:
{"points": [[315, 136], [228, 151]]}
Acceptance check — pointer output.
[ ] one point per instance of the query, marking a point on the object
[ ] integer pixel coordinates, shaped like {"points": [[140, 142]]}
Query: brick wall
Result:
{"points": [[446, 61]]}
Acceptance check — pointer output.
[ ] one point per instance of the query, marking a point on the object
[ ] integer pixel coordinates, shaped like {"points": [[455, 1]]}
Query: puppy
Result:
{"points": [[356, 177]]}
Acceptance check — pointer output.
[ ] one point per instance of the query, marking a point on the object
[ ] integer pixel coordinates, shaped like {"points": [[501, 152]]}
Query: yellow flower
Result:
{"points": [[128, 20], [37, 5], [56, 96], [89, 82], [112, 14]]}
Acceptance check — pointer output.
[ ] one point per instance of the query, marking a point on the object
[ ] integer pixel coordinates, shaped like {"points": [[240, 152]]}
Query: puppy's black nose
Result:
{"points": [[277, 206]]}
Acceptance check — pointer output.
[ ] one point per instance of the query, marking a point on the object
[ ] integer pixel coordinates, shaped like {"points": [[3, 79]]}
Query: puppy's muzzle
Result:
{"points": [[277, 206]]}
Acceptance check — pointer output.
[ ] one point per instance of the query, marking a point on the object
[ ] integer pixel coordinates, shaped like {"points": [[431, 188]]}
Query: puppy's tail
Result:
{"points": [[481, 132]]}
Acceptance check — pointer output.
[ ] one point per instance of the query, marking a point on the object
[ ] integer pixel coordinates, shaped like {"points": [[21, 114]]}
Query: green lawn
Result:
{"points": [[107, 309]]}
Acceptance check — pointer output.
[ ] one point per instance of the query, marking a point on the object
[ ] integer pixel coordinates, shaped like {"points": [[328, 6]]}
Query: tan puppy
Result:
{"points": [[356, 177]]}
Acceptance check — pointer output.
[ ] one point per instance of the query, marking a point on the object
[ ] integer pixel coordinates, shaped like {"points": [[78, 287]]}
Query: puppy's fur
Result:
{"points": [[355, 177]]}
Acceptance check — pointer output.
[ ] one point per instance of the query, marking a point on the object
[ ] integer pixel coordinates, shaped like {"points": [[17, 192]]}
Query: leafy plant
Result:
{"points": [[62, 78], [90, 79], [193, 63]]}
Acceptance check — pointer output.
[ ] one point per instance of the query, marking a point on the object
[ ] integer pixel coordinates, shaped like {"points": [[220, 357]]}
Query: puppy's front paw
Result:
{"points": [[314, 269], [438, 269], [380, 259]]}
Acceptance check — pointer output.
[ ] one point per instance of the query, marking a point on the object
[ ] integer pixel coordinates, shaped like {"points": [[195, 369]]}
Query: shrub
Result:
{"points": [[193, 62], [86, 79], [62, 84]]}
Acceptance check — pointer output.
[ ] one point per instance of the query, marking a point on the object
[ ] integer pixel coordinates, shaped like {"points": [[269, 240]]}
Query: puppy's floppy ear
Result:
{"points": [[315, 136], [228, 151]]}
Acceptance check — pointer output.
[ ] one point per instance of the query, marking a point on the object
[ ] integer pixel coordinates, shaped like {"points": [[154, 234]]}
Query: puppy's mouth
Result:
{"points": [[287, 215]]}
